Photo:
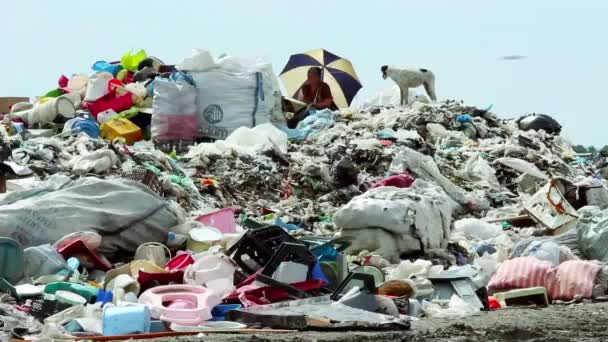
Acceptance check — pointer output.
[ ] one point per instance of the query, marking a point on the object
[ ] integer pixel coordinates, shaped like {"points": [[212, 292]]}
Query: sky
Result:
{"points": [[462, 41]]}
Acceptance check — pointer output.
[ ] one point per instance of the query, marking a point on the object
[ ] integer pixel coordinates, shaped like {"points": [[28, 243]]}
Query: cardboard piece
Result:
{"points": [[7, 102]]}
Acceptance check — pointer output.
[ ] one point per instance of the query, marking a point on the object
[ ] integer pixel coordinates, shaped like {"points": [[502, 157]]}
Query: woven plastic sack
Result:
{"points": [[175, 110]]}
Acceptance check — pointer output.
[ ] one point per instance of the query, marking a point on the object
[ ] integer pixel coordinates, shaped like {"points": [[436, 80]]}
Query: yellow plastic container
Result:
{"points": [[121, 128]]}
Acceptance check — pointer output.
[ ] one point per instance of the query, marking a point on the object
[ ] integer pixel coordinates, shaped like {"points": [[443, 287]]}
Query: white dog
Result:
{"points": [[410, 78]]}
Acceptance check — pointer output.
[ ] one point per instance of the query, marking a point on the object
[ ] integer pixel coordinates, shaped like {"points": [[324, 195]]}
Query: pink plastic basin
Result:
{"points": [[222, 219]]}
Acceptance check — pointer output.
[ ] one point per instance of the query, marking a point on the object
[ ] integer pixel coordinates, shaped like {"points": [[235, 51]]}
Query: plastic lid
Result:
{"points": [[206, 234], [69, 298]]}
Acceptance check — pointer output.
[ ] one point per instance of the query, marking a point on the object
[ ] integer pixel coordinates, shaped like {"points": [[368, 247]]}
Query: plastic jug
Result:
{"points": [[121, 128]]}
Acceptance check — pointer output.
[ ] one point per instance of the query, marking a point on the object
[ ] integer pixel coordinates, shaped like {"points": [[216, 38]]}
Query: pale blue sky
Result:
{"points": [[461, 41]]}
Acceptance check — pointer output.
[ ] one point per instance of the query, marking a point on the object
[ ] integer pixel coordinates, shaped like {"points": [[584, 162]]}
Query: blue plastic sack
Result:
{"points": [[464, 118], [101, 66]]}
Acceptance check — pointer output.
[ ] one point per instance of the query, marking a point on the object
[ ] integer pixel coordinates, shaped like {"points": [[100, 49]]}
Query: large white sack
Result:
{"points": [[243, 141], [422, 212], [237, 92], [124, 212]]}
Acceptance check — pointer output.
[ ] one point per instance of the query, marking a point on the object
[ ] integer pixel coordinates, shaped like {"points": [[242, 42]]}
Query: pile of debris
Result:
{"points": [[358, 218]]}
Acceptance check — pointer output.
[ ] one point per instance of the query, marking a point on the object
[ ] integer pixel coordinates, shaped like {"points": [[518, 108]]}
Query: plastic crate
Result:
{"points": [[43, 308], [259, 245]]}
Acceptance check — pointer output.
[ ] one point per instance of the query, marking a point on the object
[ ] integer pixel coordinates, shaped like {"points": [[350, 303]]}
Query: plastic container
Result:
{"points": [[181, 304], [106, 115], [11, 259], [110, 101], [202, 238], [215, 272], [222, 220], [88, 127], [126, 320], [77, 84], [121, 128], [180, 262], [219, 312], [69, 298], [88, 292], [42, 260]]}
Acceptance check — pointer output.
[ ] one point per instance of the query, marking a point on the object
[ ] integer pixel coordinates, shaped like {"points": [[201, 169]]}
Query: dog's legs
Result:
{"points": [[405, 94], [429, 86]]}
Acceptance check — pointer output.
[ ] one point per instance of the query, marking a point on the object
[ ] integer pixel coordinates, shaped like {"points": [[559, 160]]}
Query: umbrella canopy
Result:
{"points": [[338, 73]]}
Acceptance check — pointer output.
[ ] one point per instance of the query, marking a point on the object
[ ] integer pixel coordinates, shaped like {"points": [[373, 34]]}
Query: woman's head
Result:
{"points": [[314, 75]]}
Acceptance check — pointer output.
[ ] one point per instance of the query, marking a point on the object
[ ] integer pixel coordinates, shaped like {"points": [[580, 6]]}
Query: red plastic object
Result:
{"points": [[494, 303], [263, 294], [399, 181], [78, 248], [222, 219], [63, 81], [112, 84], [266, 211], [386, 142], [180, 262], [110, 101]]}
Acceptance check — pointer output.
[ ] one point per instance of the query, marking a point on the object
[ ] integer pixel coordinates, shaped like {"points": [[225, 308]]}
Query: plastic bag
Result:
{"points": [[236, 93], [592, 233], [477, 229], [98, 86], [477, 169], [174, 111], [131, 59], [546, 251], [201, 60], [103, 66], [522, 166], [407, 269], [456, 308]]}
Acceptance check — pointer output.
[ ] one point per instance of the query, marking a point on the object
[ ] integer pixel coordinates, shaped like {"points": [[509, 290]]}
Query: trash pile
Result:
{"points": [[150, 200]]}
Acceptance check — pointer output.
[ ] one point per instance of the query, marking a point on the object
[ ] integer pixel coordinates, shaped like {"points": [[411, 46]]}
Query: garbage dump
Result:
{"points": [[144, 199]]}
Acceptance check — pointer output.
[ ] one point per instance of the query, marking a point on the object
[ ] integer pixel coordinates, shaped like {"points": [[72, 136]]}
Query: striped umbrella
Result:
{"points": [[338, 73]]}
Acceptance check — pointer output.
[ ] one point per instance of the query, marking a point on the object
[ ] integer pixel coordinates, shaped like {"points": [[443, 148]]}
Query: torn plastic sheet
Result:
{"points": [[318, 312]]}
